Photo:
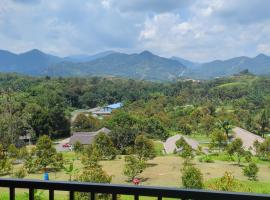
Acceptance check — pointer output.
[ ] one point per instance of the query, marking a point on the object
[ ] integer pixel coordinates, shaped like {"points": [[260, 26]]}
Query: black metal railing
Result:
{"points": [[115, 190]]}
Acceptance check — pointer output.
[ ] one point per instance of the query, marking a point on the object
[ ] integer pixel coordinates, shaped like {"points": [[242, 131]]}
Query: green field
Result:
{"points": [[162, 171]]}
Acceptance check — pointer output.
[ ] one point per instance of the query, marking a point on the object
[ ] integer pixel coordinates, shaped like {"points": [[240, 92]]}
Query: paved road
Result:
{"points": [[247, 137], [59, 145], [170, 146]]}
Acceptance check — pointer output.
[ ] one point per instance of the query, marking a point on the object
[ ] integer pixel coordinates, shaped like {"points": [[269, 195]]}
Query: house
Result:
{"points": [[26, 138], [247, 138], [112, 107], [86, 138], [106, 110]]}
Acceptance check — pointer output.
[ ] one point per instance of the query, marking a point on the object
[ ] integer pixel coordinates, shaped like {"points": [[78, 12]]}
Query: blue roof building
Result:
{"points": [[111, 107]]}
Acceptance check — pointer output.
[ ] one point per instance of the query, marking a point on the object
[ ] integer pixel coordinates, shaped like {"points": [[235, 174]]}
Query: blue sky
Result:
{"points": [[199, 30]]}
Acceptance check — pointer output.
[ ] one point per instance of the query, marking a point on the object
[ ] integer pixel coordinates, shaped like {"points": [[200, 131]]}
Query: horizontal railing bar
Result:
{"points": [[130, 190]]}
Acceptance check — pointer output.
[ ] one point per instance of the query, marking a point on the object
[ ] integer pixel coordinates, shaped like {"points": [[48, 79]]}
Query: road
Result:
{"points": [[247, 137], [59, 145], [170, 146]]}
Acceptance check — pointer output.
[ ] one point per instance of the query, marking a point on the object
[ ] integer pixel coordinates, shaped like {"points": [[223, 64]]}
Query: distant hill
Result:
{"points": [[87, 58], [33, 62], [185, 62], [259, 65], [144, 65]]}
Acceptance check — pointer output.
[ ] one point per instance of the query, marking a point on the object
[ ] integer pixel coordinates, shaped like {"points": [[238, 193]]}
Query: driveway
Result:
{"points": [[170, 146], [247, 137], [59, 145]]}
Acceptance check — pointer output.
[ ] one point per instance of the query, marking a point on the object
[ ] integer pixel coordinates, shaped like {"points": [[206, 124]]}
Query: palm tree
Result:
{"points": [[263, 122], [226, 126], [70, 170]]}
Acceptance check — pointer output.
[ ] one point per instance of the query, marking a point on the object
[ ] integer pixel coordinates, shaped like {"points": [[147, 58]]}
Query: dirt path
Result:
{"points": [[170, 146], [247, 137]]}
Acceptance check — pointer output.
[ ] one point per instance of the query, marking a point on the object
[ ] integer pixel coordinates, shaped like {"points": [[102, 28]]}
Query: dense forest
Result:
{"points": [[42, 106]]}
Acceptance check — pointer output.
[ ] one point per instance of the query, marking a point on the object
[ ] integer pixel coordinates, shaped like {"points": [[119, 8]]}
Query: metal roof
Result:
{"points": [[114, 106], [86, 137]]}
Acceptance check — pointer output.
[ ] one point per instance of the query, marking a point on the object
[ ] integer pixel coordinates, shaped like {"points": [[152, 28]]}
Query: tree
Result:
{"points": [[263, 149], [251, 171], [58, 161], [144, 148], [192, 178], [94, 174], [30, 161], [70, 170], [228, 183], [90, 156], [133, 166], [6, 166], [45, 152], [85, 123], [123, 137], [78, 147], [225, 126], [104, 146], [154, 128], [20, 173], [236, 147], [218, 139], [185, 150], [124, 128], [256, 146], [263, 122], [13, 152]]}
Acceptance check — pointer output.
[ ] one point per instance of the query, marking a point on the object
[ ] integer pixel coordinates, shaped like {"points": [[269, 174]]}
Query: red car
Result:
{"points": [[66, 145]]}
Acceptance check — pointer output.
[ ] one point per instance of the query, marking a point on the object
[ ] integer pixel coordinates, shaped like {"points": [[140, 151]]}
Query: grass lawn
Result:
{"points": [[159, 148], [201, 138], [164, 171]]}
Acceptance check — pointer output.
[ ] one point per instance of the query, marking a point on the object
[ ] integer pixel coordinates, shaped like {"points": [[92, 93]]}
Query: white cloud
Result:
{"points": [[204, 35]]}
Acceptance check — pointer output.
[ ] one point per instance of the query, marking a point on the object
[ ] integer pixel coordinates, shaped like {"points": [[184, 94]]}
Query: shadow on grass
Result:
{"points": [[151, 164]]}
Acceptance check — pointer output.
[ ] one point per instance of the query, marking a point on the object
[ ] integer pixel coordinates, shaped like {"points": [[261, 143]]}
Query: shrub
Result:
{"points": [[228, 183], [192, 177], [206, 159], [20, 173], [251, 171], [133, 167]]}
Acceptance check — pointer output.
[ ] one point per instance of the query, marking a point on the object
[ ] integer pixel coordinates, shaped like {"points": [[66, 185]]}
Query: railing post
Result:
{"points": [[92, 196], [71, 195], [114, 196], [11, 193], [136, 197], [51, 194], [31, 194]]}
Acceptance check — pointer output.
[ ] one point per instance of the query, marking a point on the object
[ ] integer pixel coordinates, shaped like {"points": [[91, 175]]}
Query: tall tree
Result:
{"points": [[45, 152], [226, 126], [144, 148]]}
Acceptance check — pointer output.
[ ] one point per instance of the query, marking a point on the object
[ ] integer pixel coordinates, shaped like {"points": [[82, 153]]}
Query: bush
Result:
{"points": [[251, 171], [192, 178], [133, 167], [20, 173], [206, 159], [228, 183]]}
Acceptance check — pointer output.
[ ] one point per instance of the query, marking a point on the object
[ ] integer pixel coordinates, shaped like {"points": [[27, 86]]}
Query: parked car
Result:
{"points": [[66, 145]]}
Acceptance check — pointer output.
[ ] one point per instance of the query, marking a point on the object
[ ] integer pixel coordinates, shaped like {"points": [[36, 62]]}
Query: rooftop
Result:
{"points": [[115, 105]]}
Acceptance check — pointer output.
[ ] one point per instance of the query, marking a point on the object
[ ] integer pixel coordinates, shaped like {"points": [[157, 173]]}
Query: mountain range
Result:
{"points": [[144, 65]]}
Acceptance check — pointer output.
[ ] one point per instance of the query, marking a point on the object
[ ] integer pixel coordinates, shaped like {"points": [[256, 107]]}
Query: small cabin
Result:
{"points": [[112, 107]]}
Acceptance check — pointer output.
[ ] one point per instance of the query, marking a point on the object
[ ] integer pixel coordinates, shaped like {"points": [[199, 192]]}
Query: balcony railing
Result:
{"points": [[114, 190]]}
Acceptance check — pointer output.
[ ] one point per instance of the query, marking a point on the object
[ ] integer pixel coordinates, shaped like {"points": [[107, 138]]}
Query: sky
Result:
{"points": [[199, 30]]}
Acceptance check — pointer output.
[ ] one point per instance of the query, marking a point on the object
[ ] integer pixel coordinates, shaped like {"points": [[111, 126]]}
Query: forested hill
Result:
{"points": [[144, 65], [43, 105], [140, 66]]}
